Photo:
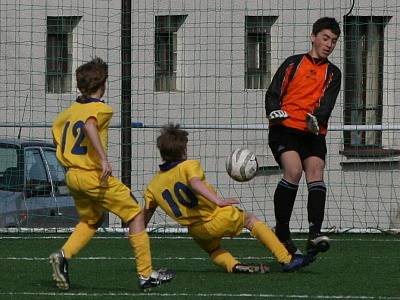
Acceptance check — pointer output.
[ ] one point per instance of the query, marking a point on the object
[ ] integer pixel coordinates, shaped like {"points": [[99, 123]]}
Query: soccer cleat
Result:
{"points": [[291, 247], [317, 243], [156, 278], [60, 269], [250, 268], [297, 262]]}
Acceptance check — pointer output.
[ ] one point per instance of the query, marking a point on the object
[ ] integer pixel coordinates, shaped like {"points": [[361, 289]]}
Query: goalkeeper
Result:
{"points": [[298, 104], [182, 191]]}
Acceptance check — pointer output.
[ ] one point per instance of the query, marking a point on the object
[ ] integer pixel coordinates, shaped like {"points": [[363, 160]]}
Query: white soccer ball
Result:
{"points": [[242, 165]]}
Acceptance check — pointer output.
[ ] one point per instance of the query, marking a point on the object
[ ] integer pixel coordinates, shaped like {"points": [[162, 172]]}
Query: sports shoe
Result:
{"points": [[156, 278], [291, 247], [60, 269], [317, 243], [250, 268], [297, 262]]}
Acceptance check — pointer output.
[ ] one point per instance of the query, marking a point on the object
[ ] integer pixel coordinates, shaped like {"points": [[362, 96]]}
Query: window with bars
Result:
{"points": [[364, 58], [166, 54], [59, 53], [258, 51]]}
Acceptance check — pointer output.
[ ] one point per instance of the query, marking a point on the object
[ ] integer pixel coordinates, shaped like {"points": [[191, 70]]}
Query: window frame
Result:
{"points": [[59, 46], [258, 28], [355, 112], [166, 52]]}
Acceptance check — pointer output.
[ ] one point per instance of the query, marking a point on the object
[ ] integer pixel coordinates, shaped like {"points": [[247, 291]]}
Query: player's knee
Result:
{"points": [[249, 220], [293, 175], [98, 223]]}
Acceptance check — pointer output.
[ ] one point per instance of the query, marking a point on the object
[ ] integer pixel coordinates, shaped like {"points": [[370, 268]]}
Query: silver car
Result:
{"points": [[33, 192]]}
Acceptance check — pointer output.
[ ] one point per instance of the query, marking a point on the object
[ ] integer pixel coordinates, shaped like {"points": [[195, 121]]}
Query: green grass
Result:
{"points": [[356, 267]]}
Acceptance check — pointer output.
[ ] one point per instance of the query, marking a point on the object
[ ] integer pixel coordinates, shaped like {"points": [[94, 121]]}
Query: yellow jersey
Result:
{"points": [[73, 147], [170, 189]]}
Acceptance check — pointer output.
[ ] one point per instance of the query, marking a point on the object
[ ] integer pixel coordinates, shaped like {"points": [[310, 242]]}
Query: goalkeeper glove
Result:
{"points": [[312, 123], [277, 115]]}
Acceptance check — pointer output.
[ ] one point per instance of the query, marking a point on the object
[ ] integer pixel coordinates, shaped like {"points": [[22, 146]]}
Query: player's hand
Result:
{"points": [[106, 171], [278, 115], [312, 124], [228, 202]]}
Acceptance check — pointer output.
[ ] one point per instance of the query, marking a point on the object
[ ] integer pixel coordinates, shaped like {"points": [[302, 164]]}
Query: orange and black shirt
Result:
{"points": [[304, 85]]}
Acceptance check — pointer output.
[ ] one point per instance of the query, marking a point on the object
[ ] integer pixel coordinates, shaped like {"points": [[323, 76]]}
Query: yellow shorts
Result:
{"points": [[228, 221], [92, 198]]}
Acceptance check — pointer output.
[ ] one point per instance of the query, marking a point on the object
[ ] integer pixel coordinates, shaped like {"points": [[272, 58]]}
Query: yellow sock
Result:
{"points": [[268, 238], [141, 249], [82, 234], [224, 259]]}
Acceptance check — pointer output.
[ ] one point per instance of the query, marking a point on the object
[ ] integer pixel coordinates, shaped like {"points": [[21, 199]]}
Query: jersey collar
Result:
{"points": [[169, 165], [88, 100], [316, 61]]}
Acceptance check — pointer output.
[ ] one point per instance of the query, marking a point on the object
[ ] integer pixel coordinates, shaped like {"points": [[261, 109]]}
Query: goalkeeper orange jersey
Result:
{"points": [[303, 85], [73, 147], [170, 189]]}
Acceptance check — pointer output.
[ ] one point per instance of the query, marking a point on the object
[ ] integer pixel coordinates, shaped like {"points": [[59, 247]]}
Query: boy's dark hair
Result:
{"points": [[91, 76], [326, 23], [172, 143]]}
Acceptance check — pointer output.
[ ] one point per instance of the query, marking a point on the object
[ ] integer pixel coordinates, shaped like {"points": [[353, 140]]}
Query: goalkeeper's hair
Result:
{"points": [[91, 76], [172, 143], [326, 23]]}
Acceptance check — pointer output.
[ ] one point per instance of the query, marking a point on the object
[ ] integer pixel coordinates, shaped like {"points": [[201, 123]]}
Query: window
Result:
{"points": [[59, 53], [35, 169], [167, 54], [10, 175], [258, 51], [57, 172], [364, 51]]}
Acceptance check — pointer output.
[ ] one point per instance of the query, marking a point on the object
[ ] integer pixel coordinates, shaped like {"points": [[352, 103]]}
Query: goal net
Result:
{"points": [[205, 65]]}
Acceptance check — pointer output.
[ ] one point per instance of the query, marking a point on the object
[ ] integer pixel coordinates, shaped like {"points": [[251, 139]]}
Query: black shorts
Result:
{"points": [[282, 139]]}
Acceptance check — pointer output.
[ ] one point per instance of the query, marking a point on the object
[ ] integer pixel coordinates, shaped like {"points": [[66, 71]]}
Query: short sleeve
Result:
{"points": [[149, 201], [101, 112], [193, 169]]}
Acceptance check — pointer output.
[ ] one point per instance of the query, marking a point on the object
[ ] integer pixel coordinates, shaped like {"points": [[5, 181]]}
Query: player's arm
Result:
{"points": [[92, 133], [199, 187], [328, 100], [275, 91]]}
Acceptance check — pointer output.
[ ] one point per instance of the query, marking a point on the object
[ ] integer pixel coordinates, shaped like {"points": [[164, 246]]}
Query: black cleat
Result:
{"points": [[297, 262], [291, 247], [317, 243], [250, 268], [60, 269], [156, 278]]}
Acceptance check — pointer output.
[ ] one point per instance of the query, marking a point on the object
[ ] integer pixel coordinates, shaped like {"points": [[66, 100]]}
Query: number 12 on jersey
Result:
{"points": [[76, 135]]}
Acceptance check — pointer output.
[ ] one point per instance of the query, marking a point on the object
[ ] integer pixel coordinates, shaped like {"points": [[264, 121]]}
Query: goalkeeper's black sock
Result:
{"points": [[316, 206], [284, 197]]}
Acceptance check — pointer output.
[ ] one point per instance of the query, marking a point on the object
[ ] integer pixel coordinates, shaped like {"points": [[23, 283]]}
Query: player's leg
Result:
{"points": [[218, 255], [228, 221], [314, 168], [285, 147], [285, 196], [267, 237], [91, 217], [119, 200]]}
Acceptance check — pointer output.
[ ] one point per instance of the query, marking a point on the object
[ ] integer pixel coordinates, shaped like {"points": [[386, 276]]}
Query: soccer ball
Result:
{"points": [[242, 165]]}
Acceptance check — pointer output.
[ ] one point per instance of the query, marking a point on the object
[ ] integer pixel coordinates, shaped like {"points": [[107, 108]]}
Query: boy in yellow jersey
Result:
{"points": [[181, 190], [81, 135]]}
